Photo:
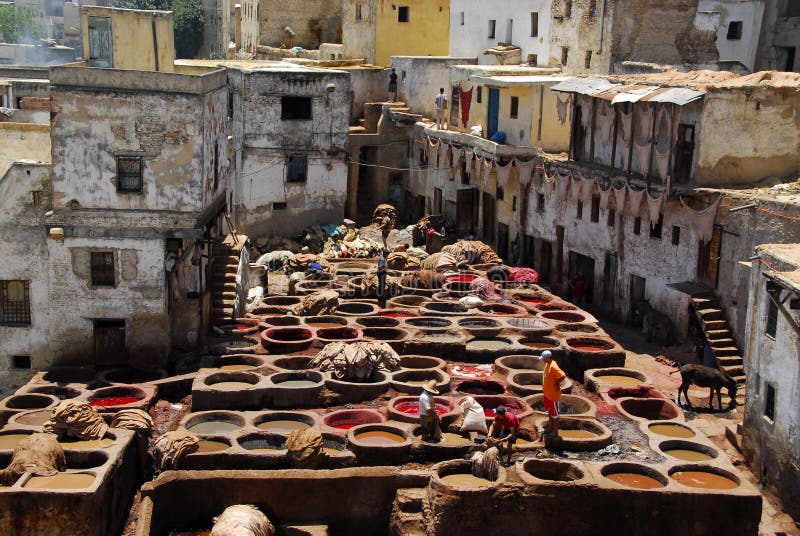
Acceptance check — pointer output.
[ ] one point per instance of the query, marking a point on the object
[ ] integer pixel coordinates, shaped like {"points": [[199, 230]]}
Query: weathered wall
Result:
{"points": [[313, 21], [420, 77], [131, 50], [771, 120], [772, 445], [425, 34], [720, 13], [216, 27], [264, 143], [23, 141], [472, 37], [780, 32], [358, 29], [24, 255], [367, 84], [92, 128], [575, 29]]}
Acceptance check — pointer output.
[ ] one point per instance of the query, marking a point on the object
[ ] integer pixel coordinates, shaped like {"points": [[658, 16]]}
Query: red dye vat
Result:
{"points": [[113, 401], [588, 347], [396, 315], [489, 414], [412, 408], [464, 278], [346, 425], [242, 327], [532, 300]]}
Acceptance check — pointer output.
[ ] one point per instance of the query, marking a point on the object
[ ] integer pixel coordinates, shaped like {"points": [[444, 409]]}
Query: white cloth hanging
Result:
{"points": [[662, 162], [605, 123], [702, 221], [503, 173], [549, 182], [654, 206], [562, 107], [562, 184], [524, 171], [642, 157], [619, 195], [636, 197], [444, 161], [470, 161], [433, 153]]}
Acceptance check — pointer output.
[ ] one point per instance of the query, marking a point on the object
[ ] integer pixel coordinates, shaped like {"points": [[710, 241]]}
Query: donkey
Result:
{"points": [[706, 377]]}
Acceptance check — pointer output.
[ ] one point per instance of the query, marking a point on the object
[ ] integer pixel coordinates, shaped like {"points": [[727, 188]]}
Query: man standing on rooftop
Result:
{"points": [[441, 107]]}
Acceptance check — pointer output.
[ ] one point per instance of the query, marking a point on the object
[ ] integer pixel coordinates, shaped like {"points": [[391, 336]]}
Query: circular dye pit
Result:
{"points": [[480, 326], [557, 306], [324, 322], [385, 334], [86, 444], [530, 298], [262, 443], [510, 363], [133, 375], [32, 401], [461, 278], [704, 477], [444, 308], [280, 301], [348, 418], [481, 387], [563, 316], [616, 377], [457, 474], [412, 408], [576, 328], [69, 375], [465, 480], [407, 301], [378, 438], [500, 309], [496, 344], [339, 333], [687, 451], [280, 321], [589, 344], [284, 422], [429, 322], [397, 313], [378, 322], [568, 405], [215, 423], [10, 441], [527, 323], [207, 446], [672, 430], [232, 381], [539, 343], [419, 362], [116, 396], [33, 418], [457, 287], [651, 409], [61, 481], [552, 470], [411, 381], [287, 339], [513, 404], [619, 380], [292, 363], [353, 308], [238, 362], [62, 393], [633, 475], [448, 439]]}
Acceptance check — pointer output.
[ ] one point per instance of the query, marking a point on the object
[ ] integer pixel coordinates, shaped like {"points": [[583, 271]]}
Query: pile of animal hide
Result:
{"points": [[76, 419], [380, 212], [305, 448], [354, 245], [242, 520], [472, 252], [356, 361], [300, 262], [322, 302], [369, 285], [40, 454], [133, 419], [440, 262], [426, 279], [171, 448], [403, 260], [486, 464]]}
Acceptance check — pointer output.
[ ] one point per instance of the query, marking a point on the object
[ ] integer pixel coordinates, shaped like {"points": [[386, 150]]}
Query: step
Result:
{"points": [[225, 256], [714, 325], [730, 361], [740, 379], [224, 304], [734, 436], [705, 303], [734, 371], [716, 334], [224, 295], [410, 499], [229, 267], [724, 343], [725, 351], [357, 130], [711, 314]]}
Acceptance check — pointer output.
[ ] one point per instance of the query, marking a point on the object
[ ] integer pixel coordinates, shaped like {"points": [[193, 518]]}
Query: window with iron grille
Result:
{"points": [[102, 269], [15, 303], [129, 174]]}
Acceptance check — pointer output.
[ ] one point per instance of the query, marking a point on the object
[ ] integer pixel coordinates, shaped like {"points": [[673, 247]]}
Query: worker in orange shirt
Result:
{"points": [[551, 389]]}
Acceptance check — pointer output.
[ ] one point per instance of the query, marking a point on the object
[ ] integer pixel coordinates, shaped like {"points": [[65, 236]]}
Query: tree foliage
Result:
{"points": [[189, 18], [19, 24]]}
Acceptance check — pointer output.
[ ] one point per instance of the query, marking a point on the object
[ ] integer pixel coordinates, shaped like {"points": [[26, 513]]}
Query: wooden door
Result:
{"points": [[708, 255], [109, 342], [494, 112], [487, 230], [684, 153], [502, 241]]}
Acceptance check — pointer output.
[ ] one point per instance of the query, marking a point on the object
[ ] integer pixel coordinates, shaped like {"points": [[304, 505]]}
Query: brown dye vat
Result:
{"points": [[652, 409], [86, 444], [283, 426], [213, 427], [209, 445], [231, 386], [333, 452], [703, 480], [451, 440], [324, 325], [465, 480], [622, 381], [60, 481], [28, 402], [35, 418], [672, 430], [635, 480], [688, 455], [10, 441], [298, 383], [379, 438], [237, 367], [538, 344], [576, 434], [338, 333], [488, 344]]}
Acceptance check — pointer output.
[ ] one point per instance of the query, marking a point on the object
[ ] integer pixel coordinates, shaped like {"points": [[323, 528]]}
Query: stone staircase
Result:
{"points": [[720, 336], [224, 267], [408, 517]]}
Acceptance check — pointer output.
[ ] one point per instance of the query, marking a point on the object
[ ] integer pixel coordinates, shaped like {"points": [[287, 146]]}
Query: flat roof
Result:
{"points": [[255, 65], [521, 80]]}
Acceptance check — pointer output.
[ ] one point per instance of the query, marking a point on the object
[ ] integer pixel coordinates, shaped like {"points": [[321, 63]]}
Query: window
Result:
{"points": [[593, 8], [129, 174], [100, 42], [655, 230], [567, 9], [769, 401], [579, 214], [358, 12], [637, 225], [279, 206], [564, 55], [402, 14], [102, 269], [21, 361], [462, 18], [587, 60], [735, 30], [37, 197], [534, 24], [297, 168], [771, 328], [533, 60], [295, 108], [479, 97], [676, 235], [173, 245], [514, 107], [230, 106], [492, 28], [539, 202], [110, 344], [514, 203], [595, 215], [612, 217], [15, 303]]}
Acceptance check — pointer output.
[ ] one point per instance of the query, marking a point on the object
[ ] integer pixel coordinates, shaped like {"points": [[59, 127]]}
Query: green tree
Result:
{"points": [[19, 24], [189, 19]]}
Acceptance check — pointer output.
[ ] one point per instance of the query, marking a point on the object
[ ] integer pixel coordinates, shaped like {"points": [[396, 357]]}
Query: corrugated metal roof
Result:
{"points": [[675, 95], [633, 94], [584, 86], [522, 80]]}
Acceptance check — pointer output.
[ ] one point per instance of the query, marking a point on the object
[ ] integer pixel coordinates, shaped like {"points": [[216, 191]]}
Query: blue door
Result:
{"points": [[494, 111]]}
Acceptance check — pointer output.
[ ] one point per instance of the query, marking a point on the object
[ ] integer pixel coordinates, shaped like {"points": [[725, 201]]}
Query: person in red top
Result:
{"points": [[578, 284], [505, 429]]}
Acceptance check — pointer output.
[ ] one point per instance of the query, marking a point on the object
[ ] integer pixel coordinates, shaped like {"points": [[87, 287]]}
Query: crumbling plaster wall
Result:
{"points": [[721, 13], [367, 84], [91, 128], [771, 120], [420, 77], [23, 140], [574, 28], [778, 34], [24, 255], [358, 34], [472, 37], [216, 158], [313, 21], [216, 27], [138, 297], [772, 446]]}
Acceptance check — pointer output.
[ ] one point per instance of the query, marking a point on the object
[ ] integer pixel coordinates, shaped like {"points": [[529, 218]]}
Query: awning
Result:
{"points": [[584, 86], [675, 95], [511, 81]]}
